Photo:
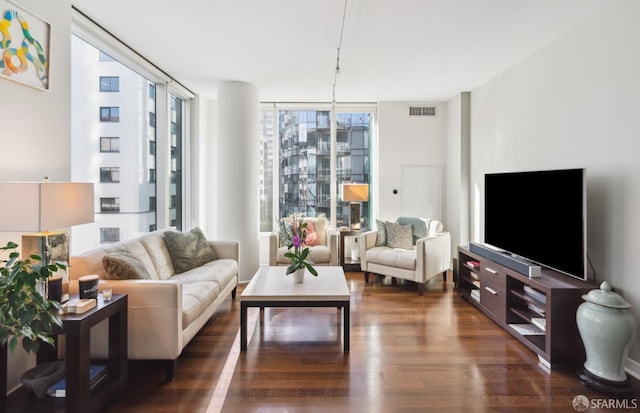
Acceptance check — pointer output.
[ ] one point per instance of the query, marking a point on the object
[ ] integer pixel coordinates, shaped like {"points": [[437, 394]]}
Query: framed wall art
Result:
{"points": [[24, 46]]}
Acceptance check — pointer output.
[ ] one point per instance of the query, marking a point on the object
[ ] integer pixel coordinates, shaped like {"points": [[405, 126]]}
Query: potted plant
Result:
{"points": [[25, 311], [296, 241]]}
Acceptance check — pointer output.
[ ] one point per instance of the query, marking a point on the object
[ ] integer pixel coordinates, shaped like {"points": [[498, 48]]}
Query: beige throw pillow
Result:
{"points": [[123, 265], [188, 250], [399, 236]]}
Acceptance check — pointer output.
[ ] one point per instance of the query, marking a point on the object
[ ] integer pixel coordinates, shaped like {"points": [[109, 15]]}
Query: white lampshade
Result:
{"points": [[45, 206], [353, 192]]}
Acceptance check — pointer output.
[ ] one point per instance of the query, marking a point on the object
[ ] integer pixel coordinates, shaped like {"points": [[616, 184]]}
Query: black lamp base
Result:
{"points": [[612, 388]]}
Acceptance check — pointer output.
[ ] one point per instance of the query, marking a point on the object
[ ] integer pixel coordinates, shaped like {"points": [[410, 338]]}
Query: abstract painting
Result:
{"points": [[24, 46]]}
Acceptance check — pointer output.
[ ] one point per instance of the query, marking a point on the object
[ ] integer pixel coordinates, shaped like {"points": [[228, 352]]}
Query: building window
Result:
{"points": [[110, 174], [109, 114], [129, 114], [108, 235], [310, 161], [174, 201], [109, 84], [109, 144], [110, 204]]}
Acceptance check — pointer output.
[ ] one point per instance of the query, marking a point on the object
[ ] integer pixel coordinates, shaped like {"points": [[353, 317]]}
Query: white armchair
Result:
{"points": [[324, 253], [419, 259]]}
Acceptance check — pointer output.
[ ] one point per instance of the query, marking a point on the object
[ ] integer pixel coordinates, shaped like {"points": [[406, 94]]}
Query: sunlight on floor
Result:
{"points": [[223, 382]]}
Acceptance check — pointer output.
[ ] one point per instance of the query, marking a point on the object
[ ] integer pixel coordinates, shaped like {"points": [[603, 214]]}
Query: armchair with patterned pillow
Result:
{"points": [[321, 240], [413, 249]]}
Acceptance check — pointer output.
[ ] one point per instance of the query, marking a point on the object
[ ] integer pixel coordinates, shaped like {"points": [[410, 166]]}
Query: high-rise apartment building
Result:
{"points": [[113, 146]]}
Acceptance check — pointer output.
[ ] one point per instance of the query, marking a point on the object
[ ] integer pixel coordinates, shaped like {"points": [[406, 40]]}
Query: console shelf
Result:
{"points": [[539, 312]]}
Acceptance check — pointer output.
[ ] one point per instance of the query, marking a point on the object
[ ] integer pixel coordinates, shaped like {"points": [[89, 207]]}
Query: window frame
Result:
{"points": [[333, 108], [112, 48]]}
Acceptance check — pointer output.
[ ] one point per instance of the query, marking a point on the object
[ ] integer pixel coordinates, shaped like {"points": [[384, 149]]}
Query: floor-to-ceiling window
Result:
{"points": [[305, 159], [128, 137]]}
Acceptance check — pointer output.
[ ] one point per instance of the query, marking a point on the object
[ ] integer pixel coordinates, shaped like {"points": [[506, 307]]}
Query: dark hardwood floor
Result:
{"points": [[409, 353]]}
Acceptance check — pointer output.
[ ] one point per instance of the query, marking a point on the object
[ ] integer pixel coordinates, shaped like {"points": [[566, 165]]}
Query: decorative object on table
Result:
{"points": [[79, 305], [24, 32], [40, 207], [54, 288], [355, 194], [25, 313], [296, 239], [107, 294], [607, 329], [88, 286]]}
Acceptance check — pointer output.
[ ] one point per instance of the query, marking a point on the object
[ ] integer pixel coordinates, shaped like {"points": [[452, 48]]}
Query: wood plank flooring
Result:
{"points": [[409, 353]]}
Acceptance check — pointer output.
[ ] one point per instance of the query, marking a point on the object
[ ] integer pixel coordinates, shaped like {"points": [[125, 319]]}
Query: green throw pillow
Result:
{"points": [[123, 265], [285, 232], [399, 236], [189, 250], [381, 239]]}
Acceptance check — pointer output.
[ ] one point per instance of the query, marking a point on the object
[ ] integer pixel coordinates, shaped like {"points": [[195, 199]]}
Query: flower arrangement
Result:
{"points": [[296, 240]]}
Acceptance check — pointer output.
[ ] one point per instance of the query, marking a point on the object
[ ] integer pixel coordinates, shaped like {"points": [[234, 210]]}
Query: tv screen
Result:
{"points": [[539, 216]]}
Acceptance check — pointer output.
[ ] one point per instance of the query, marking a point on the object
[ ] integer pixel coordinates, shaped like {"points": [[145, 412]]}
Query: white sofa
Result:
{"points": [[166, 310], [325, 253], [428, 255]]}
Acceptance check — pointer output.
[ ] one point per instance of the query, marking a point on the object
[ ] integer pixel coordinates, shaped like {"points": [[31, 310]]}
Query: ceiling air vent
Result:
{"points": [[422, 111]]}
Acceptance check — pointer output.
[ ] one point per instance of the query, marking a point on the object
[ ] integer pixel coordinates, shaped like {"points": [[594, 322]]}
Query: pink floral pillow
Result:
{"points": [[312, 236]]}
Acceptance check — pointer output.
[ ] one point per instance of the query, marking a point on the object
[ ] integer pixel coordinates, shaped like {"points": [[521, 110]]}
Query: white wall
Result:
{"points": [[575, 103], [36, 127], [405, 140]]}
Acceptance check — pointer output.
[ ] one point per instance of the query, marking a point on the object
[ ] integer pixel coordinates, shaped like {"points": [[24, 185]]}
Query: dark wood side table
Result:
{"points": [[77, 331], [346, 262]]}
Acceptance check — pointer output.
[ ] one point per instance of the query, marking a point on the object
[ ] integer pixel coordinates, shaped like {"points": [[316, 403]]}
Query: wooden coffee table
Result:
{"points": [[271, 287]]}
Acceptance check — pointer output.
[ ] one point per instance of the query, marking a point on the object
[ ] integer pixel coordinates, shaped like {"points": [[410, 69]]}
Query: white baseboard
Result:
{"points": [[633, 368]]}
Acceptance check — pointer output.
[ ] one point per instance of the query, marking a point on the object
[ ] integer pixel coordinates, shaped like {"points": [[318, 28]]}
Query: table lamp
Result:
{"points": [[355, 194], [37, 208]]}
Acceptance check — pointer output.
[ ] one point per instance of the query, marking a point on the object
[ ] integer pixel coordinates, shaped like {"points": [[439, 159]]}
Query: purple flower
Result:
{"points": [[296, 241]]}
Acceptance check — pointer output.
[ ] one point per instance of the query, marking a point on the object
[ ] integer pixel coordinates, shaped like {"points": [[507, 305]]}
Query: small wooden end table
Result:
{"points": [[346, 262], [77, 330]]}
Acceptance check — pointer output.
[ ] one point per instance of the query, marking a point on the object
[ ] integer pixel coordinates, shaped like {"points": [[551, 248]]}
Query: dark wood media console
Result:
{"points": [[539, 312]]}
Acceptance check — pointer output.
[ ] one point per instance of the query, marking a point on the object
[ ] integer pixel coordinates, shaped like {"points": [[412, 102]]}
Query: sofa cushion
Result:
{"points": [[158, 253], [399, 236], [123, 265], [381, 239], [418, 226], [397, 258], [320, 254], [196, 297], [220, 271], [188, 250]]}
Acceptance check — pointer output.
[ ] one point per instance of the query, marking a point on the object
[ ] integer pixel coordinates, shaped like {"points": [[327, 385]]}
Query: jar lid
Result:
{"points": [[605, 297]]}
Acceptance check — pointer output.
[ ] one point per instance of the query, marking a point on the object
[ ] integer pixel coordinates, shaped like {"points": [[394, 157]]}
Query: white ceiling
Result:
{"points": [[392, 50]]}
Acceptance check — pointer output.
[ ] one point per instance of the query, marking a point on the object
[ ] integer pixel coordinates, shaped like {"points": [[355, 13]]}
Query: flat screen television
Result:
{"points": [[539, 216]]}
